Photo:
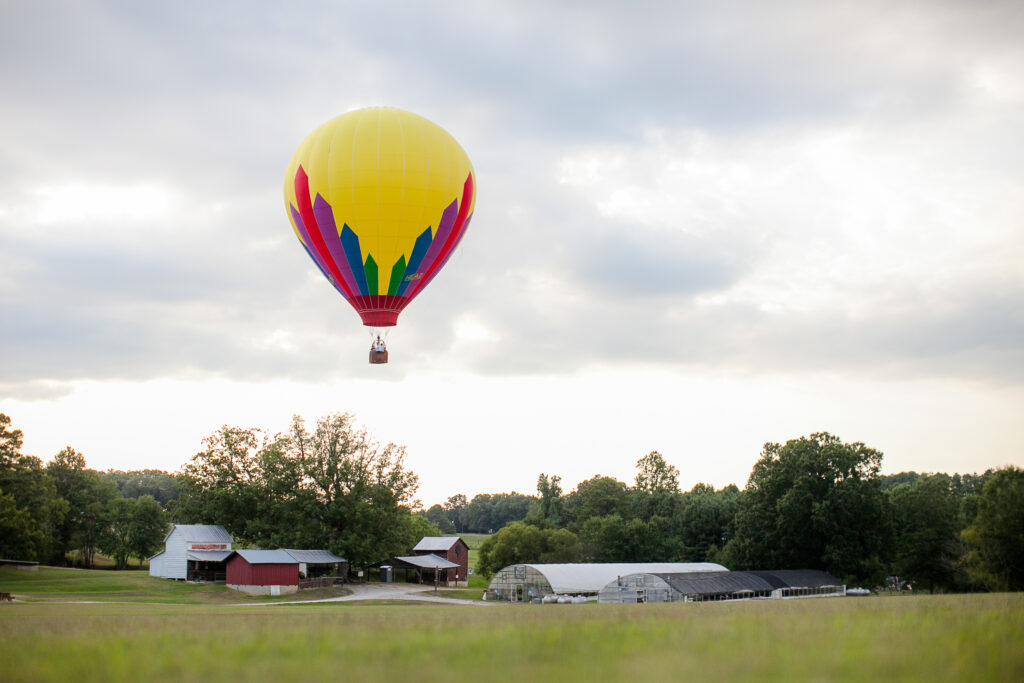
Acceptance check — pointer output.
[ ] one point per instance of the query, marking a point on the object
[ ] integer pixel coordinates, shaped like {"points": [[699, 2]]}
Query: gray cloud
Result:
{"points": [[210, 101]]}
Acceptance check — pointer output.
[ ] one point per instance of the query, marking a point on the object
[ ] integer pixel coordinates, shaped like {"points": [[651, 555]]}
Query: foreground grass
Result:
{"points": [[58, 584], [978, 637]]}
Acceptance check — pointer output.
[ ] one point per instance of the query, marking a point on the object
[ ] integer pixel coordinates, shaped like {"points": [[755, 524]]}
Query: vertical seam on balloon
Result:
{"points": [[380, 135]]}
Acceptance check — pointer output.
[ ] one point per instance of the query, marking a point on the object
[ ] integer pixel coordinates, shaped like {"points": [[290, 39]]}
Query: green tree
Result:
{"points": [[653, 474], [926, 529], [549, 509], [705, 521], [596, 497], [814, 503], [33, 513], [20, 538], [148, 528], [115, 538], [996, 538], [519, 542], [439, 518], [332, 487]]}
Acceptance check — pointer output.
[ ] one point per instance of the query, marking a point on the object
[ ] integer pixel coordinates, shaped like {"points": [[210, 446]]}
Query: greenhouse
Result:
{"points": [[715, 586], [532, 582]]}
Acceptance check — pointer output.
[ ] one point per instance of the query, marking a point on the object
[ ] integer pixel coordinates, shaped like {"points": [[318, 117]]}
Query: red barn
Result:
{"points": [[451, 548], [263, 572]]}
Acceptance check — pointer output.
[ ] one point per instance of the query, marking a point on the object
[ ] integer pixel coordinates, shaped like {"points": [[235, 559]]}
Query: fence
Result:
{"points": [[322, 582]]}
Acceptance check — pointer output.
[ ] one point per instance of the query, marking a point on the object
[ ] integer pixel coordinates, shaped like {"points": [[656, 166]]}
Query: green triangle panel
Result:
{"points": [[397, 273], [371, 275]]}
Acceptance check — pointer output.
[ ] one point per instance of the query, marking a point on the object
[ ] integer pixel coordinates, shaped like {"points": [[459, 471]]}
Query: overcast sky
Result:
{"points": [[698, 229]]}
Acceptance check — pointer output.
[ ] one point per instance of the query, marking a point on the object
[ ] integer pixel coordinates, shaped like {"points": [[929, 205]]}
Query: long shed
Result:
{"points": [[193, 552], [714, 586], [263, 572], [527, 582]]}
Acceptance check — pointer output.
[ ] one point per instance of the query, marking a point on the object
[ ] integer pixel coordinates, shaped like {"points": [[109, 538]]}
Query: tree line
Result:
{"points": [[62, 511], [812, 503]]}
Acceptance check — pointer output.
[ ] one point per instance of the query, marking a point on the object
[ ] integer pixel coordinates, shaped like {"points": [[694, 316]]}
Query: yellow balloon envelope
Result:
{"points": [[380, 198]]}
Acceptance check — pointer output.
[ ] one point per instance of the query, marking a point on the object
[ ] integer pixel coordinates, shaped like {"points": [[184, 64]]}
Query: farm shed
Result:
{"points": [[713, 586], [526, 582], [314, 564], [424, 568], [451, 548], [193, 552], [263, 572]]}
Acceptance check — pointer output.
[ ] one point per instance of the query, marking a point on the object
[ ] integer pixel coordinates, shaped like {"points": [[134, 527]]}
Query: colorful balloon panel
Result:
{"points": [[379, 199]]}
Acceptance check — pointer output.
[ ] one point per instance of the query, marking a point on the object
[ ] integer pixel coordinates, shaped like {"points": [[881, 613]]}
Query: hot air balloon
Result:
{"points": [[379, 198]]}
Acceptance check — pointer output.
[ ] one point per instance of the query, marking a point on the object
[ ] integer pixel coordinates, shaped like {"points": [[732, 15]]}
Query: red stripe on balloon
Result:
{"points": [[453, 237], [312, 227]]}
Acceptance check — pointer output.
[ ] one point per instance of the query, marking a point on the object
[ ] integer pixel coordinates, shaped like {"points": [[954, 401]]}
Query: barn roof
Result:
{"points": [[210, 533], [426, 562], [266, 557], [431, 543], [591, 578], [209, 555], [314, 556]]}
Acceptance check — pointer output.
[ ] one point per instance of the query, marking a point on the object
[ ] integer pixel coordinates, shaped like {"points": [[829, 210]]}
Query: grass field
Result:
{"points": [[56, 584], [961, 638]]}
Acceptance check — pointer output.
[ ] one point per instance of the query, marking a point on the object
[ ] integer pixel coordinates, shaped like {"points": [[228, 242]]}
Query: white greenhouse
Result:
{"points": [[533, 582]]}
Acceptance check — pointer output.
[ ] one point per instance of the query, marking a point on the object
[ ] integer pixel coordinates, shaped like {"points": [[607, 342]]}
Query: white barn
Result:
{"points": [[193, 552]]}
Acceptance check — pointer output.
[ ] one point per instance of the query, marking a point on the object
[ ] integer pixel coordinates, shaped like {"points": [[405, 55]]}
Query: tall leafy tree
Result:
{"points": [[814, 503], [926, 529], [996, 538], [654, 473], [519, 542], [32, 512], [148, 528], [331, 487]]}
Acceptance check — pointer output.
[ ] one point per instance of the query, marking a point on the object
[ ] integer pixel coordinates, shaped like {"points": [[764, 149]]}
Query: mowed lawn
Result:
{"points": [[959, 638]]}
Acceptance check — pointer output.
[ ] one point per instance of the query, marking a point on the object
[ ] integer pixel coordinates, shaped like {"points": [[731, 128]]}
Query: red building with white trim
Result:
{"points": [[263, 572]]}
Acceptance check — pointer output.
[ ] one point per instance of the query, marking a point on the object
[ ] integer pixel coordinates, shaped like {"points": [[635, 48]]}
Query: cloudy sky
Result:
{"points": [[698, 229]]}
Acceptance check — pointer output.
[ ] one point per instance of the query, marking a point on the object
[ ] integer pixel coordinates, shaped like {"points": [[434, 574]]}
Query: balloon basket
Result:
{"points": [[378, 357]]}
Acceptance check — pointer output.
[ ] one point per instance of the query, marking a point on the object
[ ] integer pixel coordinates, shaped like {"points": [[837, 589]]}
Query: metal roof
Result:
{"points": [[710, 583], [267, 557], [314, 556], [209, 555], [797, 578], [437, 542], [208, 533], [427, 562], [591, 578]]}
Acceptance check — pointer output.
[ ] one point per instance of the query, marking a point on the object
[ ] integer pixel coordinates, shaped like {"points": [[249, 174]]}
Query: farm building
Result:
{"points": [[527, 582], [428, 568], [451, 548], [319, 563], [193, 552], [263, 572], [708, 586]]}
